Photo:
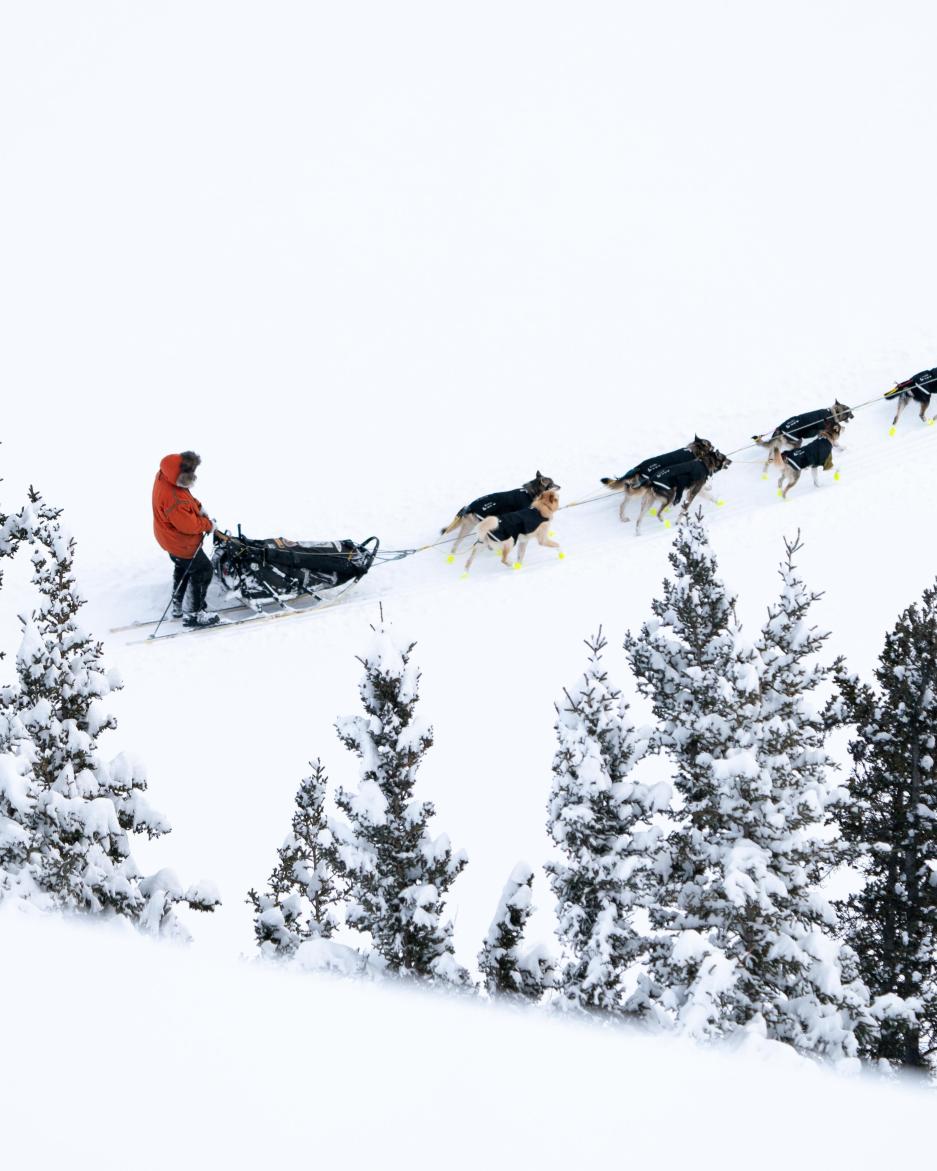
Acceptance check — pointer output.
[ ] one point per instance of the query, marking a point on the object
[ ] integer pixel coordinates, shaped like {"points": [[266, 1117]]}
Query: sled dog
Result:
{"points": [[497, 504], [631, 483], [814, 455], [795, 430], [669, 484], [515, 529], [917, 389]]}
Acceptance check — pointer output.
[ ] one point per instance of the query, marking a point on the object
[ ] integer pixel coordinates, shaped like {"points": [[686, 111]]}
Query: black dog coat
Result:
{"points": [[920, 387], [677, 479], [647, 468], [516, 524], [498, 503], [814, 455], [804, 426]]}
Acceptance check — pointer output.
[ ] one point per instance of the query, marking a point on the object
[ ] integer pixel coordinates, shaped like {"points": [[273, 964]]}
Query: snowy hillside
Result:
{"points": [[376, 1073], [370, 262]]}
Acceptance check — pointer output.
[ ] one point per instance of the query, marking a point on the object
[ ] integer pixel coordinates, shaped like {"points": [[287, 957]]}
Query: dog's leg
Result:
{"points": [[816, 478], [673, 497], [521, 550], [645, 505], [692, 494], [924, 405], [506, 548], [793, 475], [902, 403], [772, 448], [624, 504], [543, 536], [471, 557], [468, 523]]}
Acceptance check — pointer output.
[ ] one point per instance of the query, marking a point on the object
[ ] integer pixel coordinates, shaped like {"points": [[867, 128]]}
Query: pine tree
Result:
{"points": [[397, 874], [303, 891], [14, 530], [792, 970], [74, 811], [688, 664], [890, 825], [597, 816], [508, 969], [744, 936]]}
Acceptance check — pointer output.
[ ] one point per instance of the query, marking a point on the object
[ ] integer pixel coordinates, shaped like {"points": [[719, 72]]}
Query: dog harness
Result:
{"points": [[804, 426], [680, 477], [516, 524], [814, 455], [498, 503], [647, 468], [921, 386]]}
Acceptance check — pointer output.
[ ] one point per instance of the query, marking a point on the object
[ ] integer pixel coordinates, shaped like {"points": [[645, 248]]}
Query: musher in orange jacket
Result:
{"points": [[180, 523]]}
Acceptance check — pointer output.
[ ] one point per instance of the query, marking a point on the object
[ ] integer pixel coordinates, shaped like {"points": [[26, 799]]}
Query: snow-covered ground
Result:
{"points": [[371, 261], [171, 1060]]}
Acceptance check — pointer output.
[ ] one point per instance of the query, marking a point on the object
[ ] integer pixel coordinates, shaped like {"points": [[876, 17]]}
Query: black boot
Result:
{"points": [[201, 618]]}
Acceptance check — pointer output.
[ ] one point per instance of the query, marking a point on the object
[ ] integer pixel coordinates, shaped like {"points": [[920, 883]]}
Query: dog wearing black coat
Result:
{"points": [[497, 504], [796, 430], [917, 389], [516, 529], [669, 484], [814, 455], [633, 481]]}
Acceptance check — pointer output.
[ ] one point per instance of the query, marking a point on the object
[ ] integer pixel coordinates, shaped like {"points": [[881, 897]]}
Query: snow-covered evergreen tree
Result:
{"points": [[73, 811], [743, 935], [792, 969], [508, 968], [14, 530], [303, 889], [397, 873], [597, 815], [890, 825]]}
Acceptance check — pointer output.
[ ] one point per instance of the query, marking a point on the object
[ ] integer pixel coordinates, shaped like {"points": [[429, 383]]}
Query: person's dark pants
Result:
{"points": [[198, 580]]}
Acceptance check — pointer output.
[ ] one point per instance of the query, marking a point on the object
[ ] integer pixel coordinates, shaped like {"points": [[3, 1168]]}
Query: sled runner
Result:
{"points": [[277, 569]]}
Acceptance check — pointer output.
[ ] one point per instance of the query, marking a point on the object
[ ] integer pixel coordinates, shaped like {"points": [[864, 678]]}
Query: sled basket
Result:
{"points": [[275, 568]]}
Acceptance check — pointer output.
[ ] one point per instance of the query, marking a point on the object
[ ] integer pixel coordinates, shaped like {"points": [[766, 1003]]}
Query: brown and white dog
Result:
{"points": [[515, 529], [634, 481], [796, 430], [814, 455], [497, 504]]}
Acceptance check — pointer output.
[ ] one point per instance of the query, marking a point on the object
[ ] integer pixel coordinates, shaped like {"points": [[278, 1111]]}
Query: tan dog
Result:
{"points": [[516, 528], [818, 454], [497, 504], [795, 431]]}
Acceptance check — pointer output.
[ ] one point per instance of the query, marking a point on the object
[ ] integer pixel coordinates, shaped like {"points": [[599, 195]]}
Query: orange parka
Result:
{"points": [[177, 516]]}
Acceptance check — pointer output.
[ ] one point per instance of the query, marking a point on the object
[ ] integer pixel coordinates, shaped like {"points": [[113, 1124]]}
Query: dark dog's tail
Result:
{"points": [[454, 523], [632, 479]]}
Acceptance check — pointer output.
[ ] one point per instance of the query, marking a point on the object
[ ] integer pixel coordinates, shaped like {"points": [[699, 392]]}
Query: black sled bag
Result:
{"points": [[277, 568]]}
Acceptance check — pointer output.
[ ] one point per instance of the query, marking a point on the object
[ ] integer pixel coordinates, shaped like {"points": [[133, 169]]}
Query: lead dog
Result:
{"points": [[917, 389], [516, 529], [818, 454], [669, 484], [792, 432], [497, 504], [632, 482]]}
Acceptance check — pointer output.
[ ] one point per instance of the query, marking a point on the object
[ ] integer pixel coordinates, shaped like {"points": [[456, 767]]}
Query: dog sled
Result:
{"points": [[277, 570]]}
